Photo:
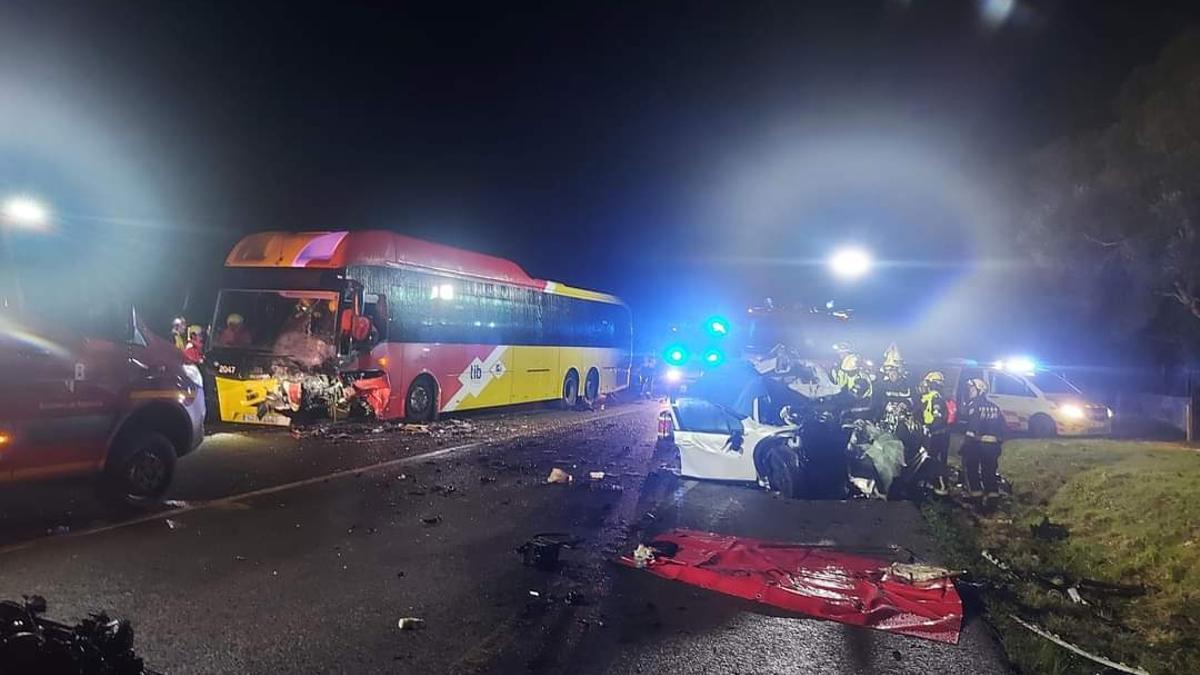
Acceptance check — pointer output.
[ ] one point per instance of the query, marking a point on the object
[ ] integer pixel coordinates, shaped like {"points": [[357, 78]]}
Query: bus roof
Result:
{"points": [[337, 249]]}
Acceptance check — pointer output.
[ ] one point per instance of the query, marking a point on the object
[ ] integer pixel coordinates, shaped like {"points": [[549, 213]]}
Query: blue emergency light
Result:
{"points": [[675, 355], [714, 357], [717, 326]]}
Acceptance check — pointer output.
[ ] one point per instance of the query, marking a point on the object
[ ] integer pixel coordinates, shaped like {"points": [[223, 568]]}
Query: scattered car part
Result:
{"points": [[1048, 531], [1042, 632], [410, 623], [557, 475], [541, 551], [97, 645], [818, 582]]}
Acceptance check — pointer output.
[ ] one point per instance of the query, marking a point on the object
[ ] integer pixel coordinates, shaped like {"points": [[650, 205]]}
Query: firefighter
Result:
{"points": [[935, 417], [981, 447], [193, 351], [851, 377], [179, 332], [894, 393], [234, 334]]}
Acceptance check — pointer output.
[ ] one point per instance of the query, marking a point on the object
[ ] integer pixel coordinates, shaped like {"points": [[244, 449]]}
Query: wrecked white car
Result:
{"points": [[741, 426], [717, 443]]}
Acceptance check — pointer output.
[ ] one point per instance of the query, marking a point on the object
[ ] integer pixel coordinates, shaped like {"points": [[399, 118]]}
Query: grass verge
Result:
{"points": [[1133, 512]]}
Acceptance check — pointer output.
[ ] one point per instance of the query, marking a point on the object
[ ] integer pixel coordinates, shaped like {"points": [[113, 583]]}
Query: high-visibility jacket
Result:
{"points": [[934, 411]]}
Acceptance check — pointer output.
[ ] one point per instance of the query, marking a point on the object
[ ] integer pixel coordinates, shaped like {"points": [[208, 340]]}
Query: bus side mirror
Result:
{"points": [[360, 328]]}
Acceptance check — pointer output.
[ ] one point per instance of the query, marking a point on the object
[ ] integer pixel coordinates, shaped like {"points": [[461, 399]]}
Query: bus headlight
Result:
{"points": [[1072, 411], [673, 375]]}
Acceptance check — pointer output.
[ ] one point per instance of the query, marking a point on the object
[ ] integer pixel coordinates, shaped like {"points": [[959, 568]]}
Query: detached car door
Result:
{"points": [[710, 441]]}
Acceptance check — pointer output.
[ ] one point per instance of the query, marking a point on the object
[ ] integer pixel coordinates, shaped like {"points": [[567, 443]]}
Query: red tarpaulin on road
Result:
{"points": [[816, 581]]}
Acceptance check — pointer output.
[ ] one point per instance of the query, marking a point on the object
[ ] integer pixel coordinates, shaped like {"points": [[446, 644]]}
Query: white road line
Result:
{"points": [[284, 487]]}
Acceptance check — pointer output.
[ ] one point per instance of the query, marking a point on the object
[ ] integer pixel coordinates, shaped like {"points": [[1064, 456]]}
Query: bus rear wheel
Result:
{"points": [[591, 388], [421, 403], [570, 390]]}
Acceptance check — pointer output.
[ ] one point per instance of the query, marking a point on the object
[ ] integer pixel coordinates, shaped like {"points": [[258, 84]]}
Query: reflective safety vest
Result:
{"points": [[934, 409], [854, 382]]}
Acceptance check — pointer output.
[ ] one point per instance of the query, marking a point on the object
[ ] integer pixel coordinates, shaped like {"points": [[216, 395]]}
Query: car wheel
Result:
{"points": [[1041, 426], [139, 470], [783, 471], [591, 388], [570, 390], [421, 403]]}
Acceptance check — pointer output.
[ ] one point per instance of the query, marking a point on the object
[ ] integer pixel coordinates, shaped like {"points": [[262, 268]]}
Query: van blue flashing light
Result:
{"points": [[675, 355], [717, 326], [1020, 365], [714, 357]]}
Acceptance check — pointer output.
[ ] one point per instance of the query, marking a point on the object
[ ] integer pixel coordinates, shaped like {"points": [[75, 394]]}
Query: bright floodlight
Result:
{"points": [[25, 211], [850, 263]]}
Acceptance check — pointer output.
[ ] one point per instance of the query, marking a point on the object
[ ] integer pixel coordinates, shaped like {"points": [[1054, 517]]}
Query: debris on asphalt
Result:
{"points": [[31, 643], [917, 573], [596, 475], [541, 551], [445, 490], [642, 555], [174, 524], [813, 581], [410, 623], [1042, 632], [431, 520], [176, 503], [59, 529], [1048, 531], [239, 558], [484, 480], [557, 475]]}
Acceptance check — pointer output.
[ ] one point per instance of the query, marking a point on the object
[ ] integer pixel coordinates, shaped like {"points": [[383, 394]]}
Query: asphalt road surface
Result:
{"points": [[285, 554]]}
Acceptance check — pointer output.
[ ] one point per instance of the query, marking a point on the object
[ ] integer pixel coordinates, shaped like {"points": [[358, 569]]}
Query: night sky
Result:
{"points": [[684, 155]]}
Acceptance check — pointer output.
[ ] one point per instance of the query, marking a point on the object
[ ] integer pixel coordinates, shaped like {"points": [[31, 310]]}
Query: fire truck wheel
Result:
{"points": [[139, 470]]}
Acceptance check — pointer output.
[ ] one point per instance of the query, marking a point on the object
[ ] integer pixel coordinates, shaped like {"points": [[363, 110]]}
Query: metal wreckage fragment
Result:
{"points": [[96, 645]]}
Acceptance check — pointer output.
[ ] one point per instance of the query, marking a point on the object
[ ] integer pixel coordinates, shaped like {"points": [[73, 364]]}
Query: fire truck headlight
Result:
{"points": [[673, 375]]}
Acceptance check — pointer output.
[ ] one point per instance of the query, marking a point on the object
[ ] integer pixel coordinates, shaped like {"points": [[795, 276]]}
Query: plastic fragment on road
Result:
{"points": [[596, 475], [557, 475], [410, 623], [1041, 632], [817, 582]]}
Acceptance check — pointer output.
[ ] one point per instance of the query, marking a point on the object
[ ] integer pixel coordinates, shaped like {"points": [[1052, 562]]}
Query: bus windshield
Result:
{"points": [[293, 323]]}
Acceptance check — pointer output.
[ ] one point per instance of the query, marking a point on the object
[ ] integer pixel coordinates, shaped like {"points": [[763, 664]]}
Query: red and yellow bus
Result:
{"points": [[378, 323]]}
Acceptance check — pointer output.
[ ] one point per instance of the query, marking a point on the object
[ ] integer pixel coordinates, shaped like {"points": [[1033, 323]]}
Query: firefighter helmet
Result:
{"points": [[934, 378], [978, 384], [233, 320], [892, 358], [850, 363]]}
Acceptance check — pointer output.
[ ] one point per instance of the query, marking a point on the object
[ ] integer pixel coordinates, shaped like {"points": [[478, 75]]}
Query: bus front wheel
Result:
{"points": [[421, 403], [570, 390]]}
